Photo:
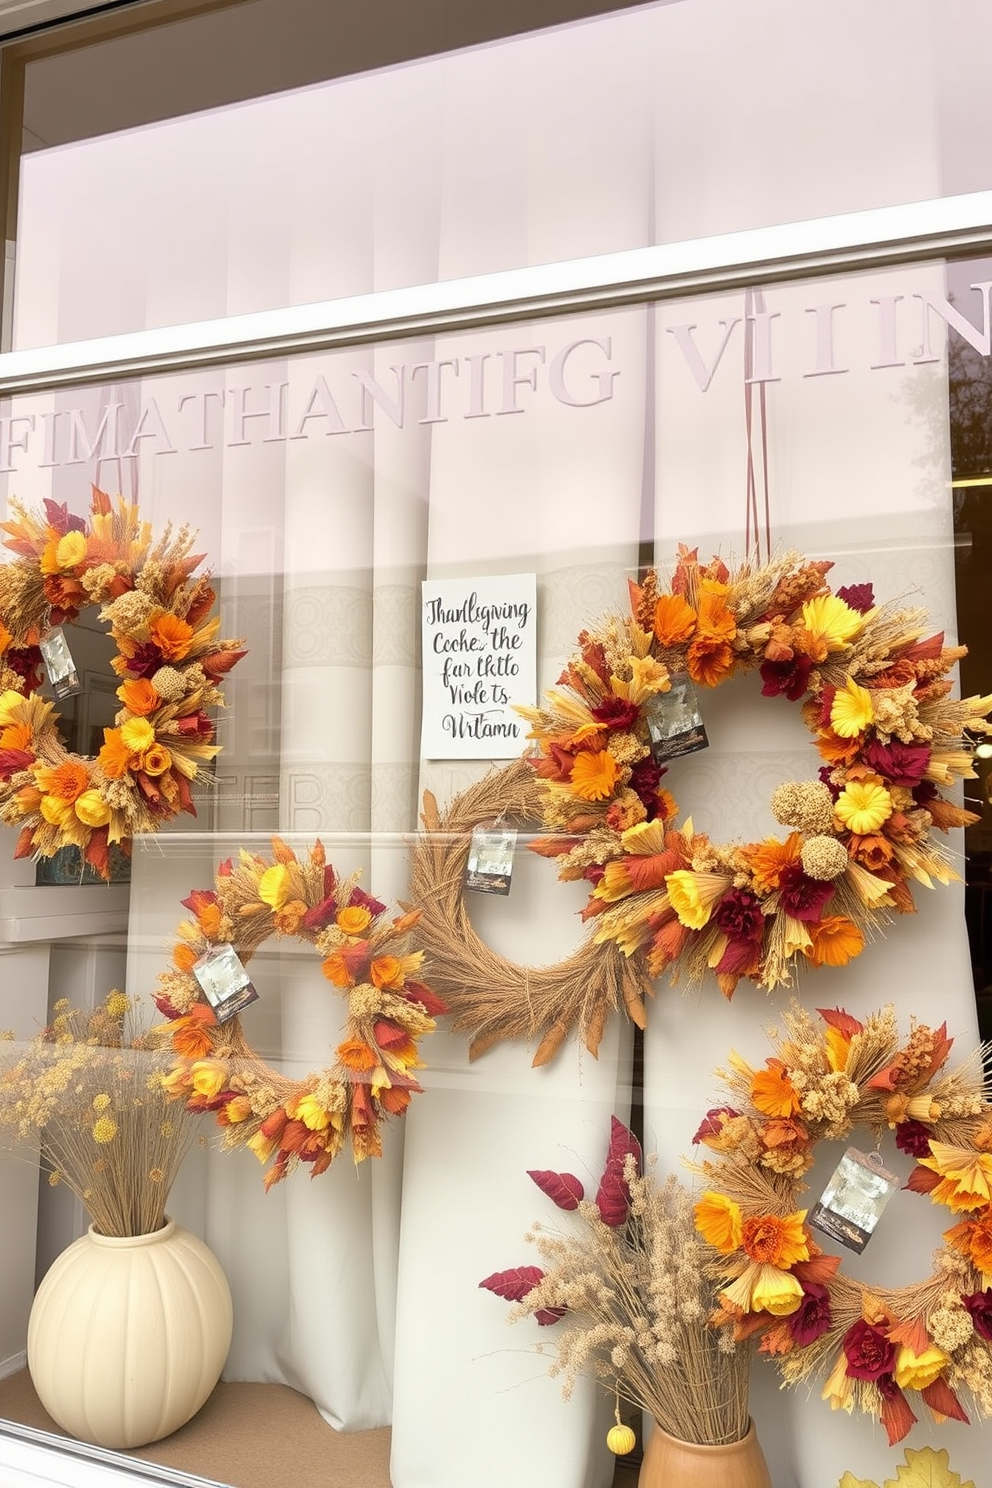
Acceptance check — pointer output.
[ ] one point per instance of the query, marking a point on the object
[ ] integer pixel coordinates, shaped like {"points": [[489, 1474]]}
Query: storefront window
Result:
{"points": [[842, 417]]}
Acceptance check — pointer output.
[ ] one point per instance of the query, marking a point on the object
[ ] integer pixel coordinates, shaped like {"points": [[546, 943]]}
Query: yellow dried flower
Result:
{"points": [[104, 1130], [101, 1101]]}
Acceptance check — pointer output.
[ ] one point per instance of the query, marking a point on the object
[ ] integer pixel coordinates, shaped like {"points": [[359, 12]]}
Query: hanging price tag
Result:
{"points": [[675, 724], [59, 665], [852, 1202], [224, 981], [490, 859]]}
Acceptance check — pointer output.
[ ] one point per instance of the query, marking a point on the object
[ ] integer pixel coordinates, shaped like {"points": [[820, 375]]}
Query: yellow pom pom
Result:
{"points": [[620, 1440]]}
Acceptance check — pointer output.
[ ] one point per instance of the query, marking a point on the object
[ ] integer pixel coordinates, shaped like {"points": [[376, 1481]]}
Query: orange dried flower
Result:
{"points": [[139, 696], [709, 661], [171, 635], [774, 1241], [594, 775], [835, 941], [674, 620], [772, 1092], [65, 782], [114, 758], [356, 1055], [768, 860]]}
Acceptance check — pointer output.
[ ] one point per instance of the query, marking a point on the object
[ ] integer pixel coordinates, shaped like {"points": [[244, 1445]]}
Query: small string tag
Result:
{"points": [[489, 868], [59, 665], [675, 724], [224, 981], [852, 1202]]}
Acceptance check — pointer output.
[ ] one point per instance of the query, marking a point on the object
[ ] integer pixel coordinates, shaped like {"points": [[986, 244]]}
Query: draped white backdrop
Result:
{"points": [[361, 1289]]}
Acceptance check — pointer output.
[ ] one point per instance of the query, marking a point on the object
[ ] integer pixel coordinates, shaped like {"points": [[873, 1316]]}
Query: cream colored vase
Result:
{"points": [[127, 1337], [669, 1463]]}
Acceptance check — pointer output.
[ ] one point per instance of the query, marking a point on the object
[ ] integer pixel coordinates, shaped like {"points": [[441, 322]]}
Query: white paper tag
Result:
{"points": [[490, 859], [59, 665], [675, 724], [224, 981], [852, 1202]]}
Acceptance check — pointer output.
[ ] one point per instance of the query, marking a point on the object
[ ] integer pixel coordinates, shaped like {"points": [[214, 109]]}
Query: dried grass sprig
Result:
{"points": [[90, 1092], [630, 1287]]}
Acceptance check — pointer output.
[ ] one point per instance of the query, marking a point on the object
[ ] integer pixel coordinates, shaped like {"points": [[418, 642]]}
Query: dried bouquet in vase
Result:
{"points": [[630, 1289], [91, 1092]]}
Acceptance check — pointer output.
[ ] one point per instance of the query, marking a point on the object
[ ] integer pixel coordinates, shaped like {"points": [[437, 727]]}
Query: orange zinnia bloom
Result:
{"points": [[709, 661], [674, 620], [353, 919], [65, 782], [973, 1238], [593, 776], [769, 859], [836, 940], [171, 635], [16, 736], [772, 1092], [115, 757], [139, 696], [191, 1038], [773, 1241], [356, 1055]]}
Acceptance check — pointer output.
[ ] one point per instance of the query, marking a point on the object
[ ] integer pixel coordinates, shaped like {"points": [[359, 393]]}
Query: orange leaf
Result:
{"points": [[101, 504], [912, 1333]]}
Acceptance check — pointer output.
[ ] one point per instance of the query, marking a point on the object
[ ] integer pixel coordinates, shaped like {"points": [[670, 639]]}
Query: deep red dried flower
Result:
{"points": [[869, 1353], [801, 897], [813, 1316]]}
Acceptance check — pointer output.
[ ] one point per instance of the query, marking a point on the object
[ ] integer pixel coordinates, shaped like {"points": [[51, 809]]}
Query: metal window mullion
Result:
{"points": [[916, 232]]}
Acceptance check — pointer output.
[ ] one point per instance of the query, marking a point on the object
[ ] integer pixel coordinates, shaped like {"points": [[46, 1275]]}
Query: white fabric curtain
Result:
{"points": [[362, 1289]]}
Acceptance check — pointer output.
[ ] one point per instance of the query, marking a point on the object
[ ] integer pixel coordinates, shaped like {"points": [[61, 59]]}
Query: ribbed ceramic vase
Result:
{"points": [[670, 1463], [127, 1337]]}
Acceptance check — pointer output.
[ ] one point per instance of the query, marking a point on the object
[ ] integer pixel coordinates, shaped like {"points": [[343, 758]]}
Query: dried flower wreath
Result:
{"points": [[168, 655], [872, 1343], [363, 953], [876, 701], [491, 997]]}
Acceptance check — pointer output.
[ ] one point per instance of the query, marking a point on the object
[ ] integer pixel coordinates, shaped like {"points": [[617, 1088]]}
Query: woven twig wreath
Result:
{"points": [[870, 1343], [493, 998], [168, 654], [363, 953], [875, 696]]}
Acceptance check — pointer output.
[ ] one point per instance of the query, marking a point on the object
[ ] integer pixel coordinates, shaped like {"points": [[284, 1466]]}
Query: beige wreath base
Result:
{"points": [[490, 997]]}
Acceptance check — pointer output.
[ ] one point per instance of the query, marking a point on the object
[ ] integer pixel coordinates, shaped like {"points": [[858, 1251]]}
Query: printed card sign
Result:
{"points": [[480, 658]]}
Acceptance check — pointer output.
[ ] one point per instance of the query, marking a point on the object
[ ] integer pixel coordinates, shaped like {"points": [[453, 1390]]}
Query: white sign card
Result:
{"points": [[480, 659]]}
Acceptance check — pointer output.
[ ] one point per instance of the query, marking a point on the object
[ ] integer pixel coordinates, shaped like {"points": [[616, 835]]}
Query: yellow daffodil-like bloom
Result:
{"points": [[594, 774], [208, 1077], [353, 919], [237, 1110], [966, 1176], [693, 895], [71, 550], [776, 1292], [138, 735], [309, 1110], [863, 805], [851, 711], [11, 708], [263, 1147], [839, 1389], [647, 677], [830, 620], [92, 809], [273, 886], [104, 1130], [719, 1221], [645, 839], [176, 1082], [916, 1371], [56, 812]]}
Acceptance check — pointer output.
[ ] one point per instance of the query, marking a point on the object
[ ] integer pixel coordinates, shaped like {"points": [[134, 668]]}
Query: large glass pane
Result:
{"points": [[810, 416], [657, 124]]}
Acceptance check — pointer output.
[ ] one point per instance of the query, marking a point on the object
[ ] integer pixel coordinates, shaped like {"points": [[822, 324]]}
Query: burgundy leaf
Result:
{"points": [[622, 1141], [563, 1189], [548, 1315], [62, 519], [13, 760], [612, 1198], [429, 1001], [515, 1283]]}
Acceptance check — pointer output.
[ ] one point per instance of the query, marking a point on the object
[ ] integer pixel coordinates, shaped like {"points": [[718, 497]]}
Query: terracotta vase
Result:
{"points": [[127, 1337], [670, 1463]]}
